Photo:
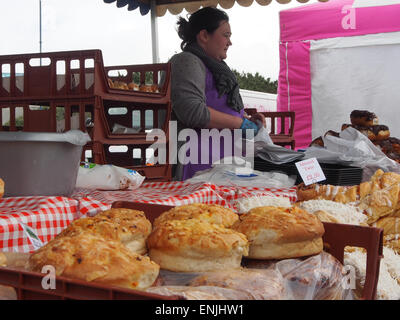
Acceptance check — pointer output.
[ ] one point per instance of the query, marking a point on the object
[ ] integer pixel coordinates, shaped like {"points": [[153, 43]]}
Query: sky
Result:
{"points": [[124, 37]]}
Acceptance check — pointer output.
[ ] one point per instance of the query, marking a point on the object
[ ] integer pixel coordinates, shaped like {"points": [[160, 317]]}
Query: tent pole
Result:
{"points": [[154, 32]]}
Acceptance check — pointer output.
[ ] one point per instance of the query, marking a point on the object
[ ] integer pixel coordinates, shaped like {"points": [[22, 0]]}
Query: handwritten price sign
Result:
{"points": [[310, 171]]}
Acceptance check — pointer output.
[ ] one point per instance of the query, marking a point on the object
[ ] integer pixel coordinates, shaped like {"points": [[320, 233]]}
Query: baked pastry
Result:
{"points": [[363, 118], [319, 277], [194, 246], [380, 203], [390, 225], [212, 213], [133, 86], [317, 142], [260, 284], [1, 188], [315, 191], [374, 133], [3, 260], [90, 257], [281, 233], [131, 227]]}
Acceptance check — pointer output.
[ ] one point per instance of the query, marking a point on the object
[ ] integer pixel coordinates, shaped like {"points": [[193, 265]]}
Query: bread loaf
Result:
{"points": [[194, 245], [281, 233]]}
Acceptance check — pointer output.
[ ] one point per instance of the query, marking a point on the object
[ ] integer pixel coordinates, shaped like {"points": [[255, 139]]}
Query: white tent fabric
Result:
{"points": [[352, 73]]}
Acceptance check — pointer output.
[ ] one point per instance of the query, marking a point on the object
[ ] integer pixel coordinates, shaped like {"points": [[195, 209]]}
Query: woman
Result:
{"points": [[204, 91]]}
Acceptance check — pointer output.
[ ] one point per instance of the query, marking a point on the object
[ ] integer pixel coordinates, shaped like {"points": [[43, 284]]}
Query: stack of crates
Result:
{"points": [[60, 91]]}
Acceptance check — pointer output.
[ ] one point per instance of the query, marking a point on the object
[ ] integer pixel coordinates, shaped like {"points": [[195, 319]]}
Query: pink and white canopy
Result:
{"points": [[336, 57]]}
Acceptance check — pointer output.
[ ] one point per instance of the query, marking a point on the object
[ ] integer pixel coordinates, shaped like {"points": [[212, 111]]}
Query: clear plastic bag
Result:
{"points": [[319, 277]]}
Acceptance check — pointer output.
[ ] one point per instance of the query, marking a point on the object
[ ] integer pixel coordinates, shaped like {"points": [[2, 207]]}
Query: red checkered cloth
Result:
{"points": [[47, 216], [174, 193]]}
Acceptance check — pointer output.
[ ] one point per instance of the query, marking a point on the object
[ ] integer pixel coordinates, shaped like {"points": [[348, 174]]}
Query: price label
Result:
{"points": [[310, 171]]}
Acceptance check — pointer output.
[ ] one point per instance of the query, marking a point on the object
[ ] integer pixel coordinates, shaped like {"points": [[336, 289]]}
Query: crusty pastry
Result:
{"points": [[389, 224], [260, 284], [1, 188], [363, 118], [131, 227], [380, 203], [90, 257], [343, 194], [212, 213], [281, 233], [195, 245]]}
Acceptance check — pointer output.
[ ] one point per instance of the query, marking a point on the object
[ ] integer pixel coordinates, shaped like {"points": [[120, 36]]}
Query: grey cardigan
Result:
{"points": [[188, 83]]}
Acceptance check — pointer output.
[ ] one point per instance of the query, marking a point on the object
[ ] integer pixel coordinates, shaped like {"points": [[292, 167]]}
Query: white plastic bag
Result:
{"points": [[107, 177], [353, 148]]}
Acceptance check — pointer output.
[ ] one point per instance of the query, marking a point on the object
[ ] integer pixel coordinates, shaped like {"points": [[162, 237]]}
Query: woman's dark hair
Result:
{"points": [[208, 18]]}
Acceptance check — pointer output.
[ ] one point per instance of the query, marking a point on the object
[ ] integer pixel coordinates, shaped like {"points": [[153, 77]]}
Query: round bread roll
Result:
{"points": [[363, 118], [212, 213], [195, 246], [131, 227], [90, 257], [260, 284], [281, 233]]}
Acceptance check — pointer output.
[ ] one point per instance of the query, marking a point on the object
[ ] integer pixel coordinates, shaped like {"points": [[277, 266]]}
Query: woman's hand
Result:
{"points": [[257, 118]]}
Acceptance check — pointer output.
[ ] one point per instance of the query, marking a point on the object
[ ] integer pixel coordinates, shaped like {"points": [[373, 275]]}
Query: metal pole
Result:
{"points": [[40, 29], [154, 32]]}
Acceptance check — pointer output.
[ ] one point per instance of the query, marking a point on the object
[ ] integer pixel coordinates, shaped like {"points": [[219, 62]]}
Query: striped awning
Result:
{"points": [[176, 6]]}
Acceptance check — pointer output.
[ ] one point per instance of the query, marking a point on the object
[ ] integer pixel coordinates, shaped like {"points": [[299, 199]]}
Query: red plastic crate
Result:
{"points": [[74, 85]]}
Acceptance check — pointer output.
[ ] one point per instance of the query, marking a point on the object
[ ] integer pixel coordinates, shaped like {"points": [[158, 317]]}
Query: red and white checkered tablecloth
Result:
{"points": [[47, 216], [174, 193]]}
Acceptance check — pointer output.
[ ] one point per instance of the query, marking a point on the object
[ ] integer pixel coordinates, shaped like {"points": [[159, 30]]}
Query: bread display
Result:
{"points": [[335, 212], [131, 227], [194, 246], [1, 188], [259, 284], [374, 133], [376, 198], [212, 213], [363, 118], [90, 257], [367, 123], [281, 233]]}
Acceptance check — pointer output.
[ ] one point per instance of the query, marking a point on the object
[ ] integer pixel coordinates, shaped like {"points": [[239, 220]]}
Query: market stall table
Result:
{"points": [[48, 216]]}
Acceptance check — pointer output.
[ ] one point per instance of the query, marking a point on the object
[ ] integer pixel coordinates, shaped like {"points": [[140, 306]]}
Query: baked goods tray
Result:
{"points": [[28, 285], [335, 174]]}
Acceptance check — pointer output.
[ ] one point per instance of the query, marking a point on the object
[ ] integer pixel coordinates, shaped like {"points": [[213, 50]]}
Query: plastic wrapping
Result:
{"points": [[319, 277], [108, 177], [353, 148]]}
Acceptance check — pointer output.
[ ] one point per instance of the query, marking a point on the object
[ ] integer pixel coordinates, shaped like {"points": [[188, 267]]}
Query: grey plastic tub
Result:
{"points": [[40, 163]]}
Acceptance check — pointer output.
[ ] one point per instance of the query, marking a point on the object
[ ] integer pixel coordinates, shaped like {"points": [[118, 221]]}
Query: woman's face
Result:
{"points": [[217, 43]]}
